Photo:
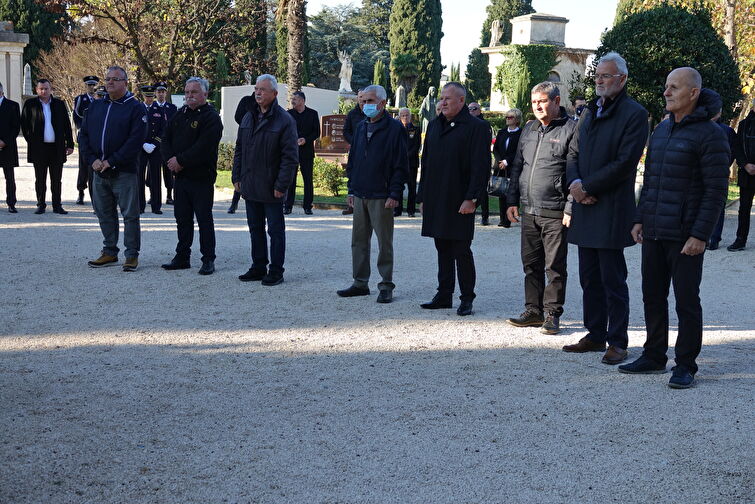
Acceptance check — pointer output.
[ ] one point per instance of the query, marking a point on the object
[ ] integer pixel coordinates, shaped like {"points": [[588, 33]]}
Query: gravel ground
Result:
{"points": [[170, 387]]}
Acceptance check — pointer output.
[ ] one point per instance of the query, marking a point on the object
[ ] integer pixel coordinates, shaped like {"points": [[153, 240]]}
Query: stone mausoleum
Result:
{"points": [[538, 28]]}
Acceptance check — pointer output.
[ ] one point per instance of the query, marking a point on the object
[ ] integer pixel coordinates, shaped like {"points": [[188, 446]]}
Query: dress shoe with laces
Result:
{"points": [[585, 344], [176, 264], [208, 268], [103, 260], [385, 296], [272, 278], [464, 309], [681, 378], [438, 302], [614, 355], [528, 318], [253, 275], [551, 325], [354, 291], [642, 365], [131, 264]]}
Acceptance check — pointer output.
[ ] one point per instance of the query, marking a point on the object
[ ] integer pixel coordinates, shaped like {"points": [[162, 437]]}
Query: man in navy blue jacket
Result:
{"points": [[111, 137], [377, 170]]}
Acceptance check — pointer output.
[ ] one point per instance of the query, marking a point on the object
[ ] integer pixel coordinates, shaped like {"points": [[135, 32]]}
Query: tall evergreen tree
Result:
{"points": [[252, 33], [375, 17], [41, 24], [281, 42], [503, 10], [416, 29], [478, 78], [379, 75]]}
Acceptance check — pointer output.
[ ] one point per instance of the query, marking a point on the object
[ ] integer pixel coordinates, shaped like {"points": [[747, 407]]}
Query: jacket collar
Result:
{"points": [[708, 105], [382, 122], [254, 108], [609, 105], [123, 99]]}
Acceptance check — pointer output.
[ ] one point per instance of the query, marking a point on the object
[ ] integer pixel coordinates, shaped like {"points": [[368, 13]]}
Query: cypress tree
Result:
{"points": [[416, 29]]}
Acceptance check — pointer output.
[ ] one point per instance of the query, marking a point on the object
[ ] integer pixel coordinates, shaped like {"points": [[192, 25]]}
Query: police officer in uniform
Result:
{"points": [[80, 105], [161, 93], [150, 162]]}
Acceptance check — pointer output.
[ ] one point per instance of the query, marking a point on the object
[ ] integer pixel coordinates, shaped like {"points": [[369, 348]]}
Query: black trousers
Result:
{"points": [[306, 166], [455, 257], [485, 208], [150, 166], [169, 180], [544, 250], [84, 177], [663, 264], [48, 160], [194, 198], [605, 295], [745, 207], [411, 197], [10, 185]]}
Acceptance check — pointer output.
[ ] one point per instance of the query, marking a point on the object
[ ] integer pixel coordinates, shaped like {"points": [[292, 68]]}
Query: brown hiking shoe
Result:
{"points": [[103, 260], [614, 355], [585, 345], [131, 264]]}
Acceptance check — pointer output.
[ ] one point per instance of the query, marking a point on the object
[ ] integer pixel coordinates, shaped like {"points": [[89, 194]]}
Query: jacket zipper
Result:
{"points": [[540, 136], [104, 128]]}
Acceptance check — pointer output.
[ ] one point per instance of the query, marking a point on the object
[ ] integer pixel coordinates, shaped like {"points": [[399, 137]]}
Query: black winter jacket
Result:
{"points": [[114, 130], [33, 128], [353, 118], [308, 128], [378, 167], [192, 136], [686, 175], [538, 173], [745, 150], [266, 155]]}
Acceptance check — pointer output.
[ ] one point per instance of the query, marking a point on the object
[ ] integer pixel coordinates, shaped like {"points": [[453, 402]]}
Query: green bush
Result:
{"points": [[225, 156], [328, 175], [524, 66]]}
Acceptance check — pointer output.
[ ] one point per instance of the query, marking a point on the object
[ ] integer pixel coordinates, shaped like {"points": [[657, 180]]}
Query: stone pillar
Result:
{"points": [[12, 61]]}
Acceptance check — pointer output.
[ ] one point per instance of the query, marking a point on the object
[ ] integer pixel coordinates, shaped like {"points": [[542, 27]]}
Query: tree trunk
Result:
{"points": [[730, 32], [296, 22]]}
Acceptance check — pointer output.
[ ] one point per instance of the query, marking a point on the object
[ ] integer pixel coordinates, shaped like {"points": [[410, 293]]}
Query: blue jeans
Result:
{"points": [[121, 191], [256, 215]]}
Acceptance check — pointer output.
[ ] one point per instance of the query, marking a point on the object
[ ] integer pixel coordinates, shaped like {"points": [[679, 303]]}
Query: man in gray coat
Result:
{"points": [[611, 136]]}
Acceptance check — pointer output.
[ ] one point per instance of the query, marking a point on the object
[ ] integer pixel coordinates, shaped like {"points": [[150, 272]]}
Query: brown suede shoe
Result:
{"points": [[585, 345], [103, 260], [614, 355]]}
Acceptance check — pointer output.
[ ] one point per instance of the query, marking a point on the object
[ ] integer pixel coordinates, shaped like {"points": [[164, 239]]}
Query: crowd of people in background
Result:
{"points": [[571, 181]]}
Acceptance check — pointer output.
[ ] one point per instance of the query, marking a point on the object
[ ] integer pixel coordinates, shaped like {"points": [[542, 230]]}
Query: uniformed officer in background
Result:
{"points": [[161, 93], [80, 105], [151, 162]]}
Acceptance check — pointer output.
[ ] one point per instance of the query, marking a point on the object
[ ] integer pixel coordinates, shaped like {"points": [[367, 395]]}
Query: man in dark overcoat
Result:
{"points": [[455, 166], [744, 152], [10, 125], [47, 130], [611, 136], [308, 130]]}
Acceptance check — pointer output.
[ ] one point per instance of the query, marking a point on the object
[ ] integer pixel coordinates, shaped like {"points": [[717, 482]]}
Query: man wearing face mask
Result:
{"points": [[579, 106], [377, 171]]}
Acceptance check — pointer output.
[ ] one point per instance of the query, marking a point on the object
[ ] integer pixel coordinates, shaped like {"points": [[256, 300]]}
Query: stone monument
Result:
{"points": [[28, 88], [401, 97], [496, 32], [427, 110], [12, 60], [347, 67]]}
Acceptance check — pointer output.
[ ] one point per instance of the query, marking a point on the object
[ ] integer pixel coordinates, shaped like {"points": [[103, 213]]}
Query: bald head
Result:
{"points": [[682, 91], [689, 76]]}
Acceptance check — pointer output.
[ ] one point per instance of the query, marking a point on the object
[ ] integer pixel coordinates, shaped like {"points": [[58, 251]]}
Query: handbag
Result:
{"points": [[498, 185]]}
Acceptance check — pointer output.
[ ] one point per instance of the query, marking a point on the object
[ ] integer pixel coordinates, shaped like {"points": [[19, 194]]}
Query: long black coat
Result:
{"points": [[455, 167], [609, 148], [10, 125], [745, 150], [266, 155], [33, 126]]}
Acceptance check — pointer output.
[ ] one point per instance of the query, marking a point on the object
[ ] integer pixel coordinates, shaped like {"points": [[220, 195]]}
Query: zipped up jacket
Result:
{"points": [[114, 130]]}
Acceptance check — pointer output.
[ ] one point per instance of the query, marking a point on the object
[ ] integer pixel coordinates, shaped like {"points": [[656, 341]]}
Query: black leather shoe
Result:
{"points": [[385, 296], [39, 210], [465, 308], [308, 212], [643, 365], [176, 264], [208, 268], [354, 291], [737, 245], [287, 211], [411, 214], [12, 209], [168, 200], [712, 246], [157, 212], [253, 275], [232, 209], [437, 303], [60, 211], [348, 211], [485, 221], [272, 278], [80, 199], [528, 318]]}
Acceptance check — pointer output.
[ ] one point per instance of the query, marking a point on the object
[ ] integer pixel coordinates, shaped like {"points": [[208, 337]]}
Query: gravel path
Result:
{"points": [[170, 387]]}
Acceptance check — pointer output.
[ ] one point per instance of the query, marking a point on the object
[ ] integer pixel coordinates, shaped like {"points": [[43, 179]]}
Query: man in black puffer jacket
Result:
{"points": [[686, 178]]}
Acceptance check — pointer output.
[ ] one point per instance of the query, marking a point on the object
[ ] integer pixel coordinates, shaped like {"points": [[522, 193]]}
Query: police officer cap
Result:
{"points": [[101, 91], [161, 85], [148, 90], [91, 79]]}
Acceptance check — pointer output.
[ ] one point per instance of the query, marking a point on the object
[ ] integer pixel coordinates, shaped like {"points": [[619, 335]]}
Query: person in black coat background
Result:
{"points": [[611, 135], [414, 142], [241, 109], [455, 167], [745, 155], [47, 130], [504, 151], [10, 125], [685, 185], [80, 105], [308, 130], [731, 136], [169, 109], [476, 111]]}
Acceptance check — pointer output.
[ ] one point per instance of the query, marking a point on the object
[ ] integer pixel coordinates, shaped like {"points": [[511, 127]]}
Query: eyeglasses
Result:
{"points": [[605, 76], [473, 108], [510, 117], [114, 79]]}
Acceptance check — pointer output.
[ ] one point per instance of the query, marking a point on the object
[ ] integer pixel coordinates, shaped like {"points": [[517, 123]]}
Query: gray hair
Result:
{"points": [[517, 113], [378, 90], [547, 87], [457, 86], [621, 63], [119, 68], [202, 83], [404, 109], [1, 87], [270, 78]]}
